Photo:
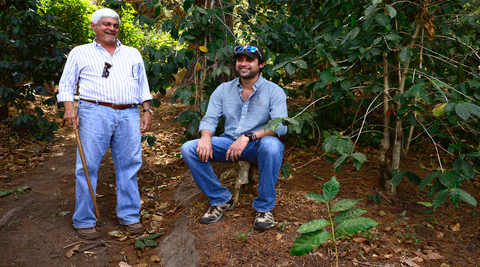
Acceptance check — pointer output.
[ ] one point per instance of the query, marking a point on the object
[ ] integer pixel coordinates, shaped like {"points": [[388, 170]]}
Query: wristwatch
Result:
{"points": [[148, 110], [251, 136]]}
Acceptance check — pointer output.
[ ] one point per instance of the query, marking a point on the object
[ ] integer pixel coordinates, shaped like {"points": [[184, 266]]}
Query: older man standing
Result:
{"points": [[112, 83]]}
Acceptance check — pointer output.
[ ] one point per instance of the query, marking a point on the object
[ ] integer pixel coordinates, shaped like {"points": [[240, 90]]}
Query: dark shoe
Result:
{"points": [[88, 233], [263, 221], [136, 228], [215, 213]]}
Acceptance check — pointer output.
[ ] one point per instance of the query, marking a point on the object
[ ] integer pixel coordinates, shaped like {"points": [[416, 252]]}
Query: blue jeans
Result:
{"points": [[266, 152], [101, 127]]}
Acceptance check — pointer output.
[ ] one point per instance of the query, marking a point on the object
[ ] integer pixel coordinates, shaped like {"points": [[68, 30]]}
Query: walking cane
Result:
{"points": [[85, 168]]}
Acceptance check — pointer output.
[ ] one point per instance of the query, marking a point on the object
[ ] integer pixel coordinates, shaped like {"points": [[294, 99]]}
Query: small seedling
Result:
{"points": [[347, 222], [282, 226], [244, 235], [147, 241]]}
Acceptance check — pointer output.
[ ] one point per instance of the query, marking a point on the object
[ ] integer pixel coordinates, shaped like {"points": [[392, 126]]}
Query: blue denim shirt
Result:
{"points": [[268, 101]]}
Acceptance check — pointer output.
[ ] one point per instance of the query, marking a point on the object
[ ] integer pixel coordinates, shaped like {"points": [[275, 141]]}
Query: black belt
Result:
{"points": [[110, 105]]}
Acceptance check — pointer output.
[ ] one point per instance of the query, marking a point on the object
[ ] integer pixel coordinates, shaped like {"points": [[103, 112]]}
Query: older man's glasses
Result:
{"points": [[248, 48], [105, 69]]}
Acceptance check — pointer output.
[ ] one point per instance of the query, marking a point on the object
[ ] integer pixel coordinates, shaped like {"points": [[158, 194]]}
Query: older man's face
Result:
{"points": [[107, 30]]}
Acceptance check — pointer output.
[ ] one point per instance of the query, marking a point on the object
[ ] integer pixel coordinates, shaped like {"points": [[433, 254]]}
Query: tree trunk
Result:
{"points": [[387, 165]]}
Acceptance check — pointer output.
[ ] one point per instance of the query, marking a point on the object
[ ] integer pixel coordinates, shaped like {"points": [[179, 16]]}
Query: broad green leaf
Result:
{"points": [[393, 37], [440, 198], [344, 146], [308, 242], [426, 204], [473, 109], [340, 162], [315, 197], [405, 54], [448, 180], [397, 178], [462, 111], [464, 169], [353, 226], [455, 196], [467, 198], [348, 214], [5, 192], [413, 178], [330, 143], [313, 226], [382, 19], [439, 110], [428, 180], [344, 204], [301, 64], [330, 189], [290, 68], [375, 198], [359, 156], [391, 11]]}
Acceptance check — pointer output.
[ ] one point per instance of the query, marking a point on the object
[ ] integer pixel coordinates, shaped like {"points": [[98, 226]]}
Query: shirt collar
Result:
{"points": [[257, 84], [99, 45]]}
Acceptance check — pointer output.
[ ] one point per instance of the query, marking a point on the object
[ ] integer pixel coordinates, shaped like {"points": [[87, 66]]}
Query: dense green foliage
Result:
{"points": [[379, 66], [32, 52]]}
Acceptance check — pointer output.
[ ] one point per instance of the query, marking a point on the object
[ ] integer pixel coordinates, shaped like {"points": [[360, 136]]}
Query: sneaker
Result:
{"points": [[215, 213], [263, 221], [88, 233], [136, 228]]}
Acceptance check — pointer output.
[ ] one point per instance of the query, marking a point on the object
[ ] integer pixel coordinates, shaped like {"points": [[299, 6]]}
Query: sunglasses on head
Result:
{"points": [[105, 69], [248, 48]]}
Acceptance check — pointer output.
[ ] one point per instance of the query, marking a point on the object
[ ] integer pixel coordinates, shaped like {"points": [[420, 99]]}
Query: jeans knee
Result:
{"points": [[271, 145], [189, 149]]}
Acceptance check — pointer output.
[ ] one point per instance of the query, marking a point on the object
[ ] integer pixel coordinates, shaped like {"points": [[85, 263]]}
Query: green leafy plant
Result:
{"points": [[347, 222], [147, 241], [242, 236]]}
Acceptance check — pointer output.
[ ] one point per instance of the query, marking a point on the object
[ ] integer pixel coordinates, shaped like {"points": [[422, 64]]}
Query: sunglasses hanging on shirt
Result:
{"points": [[105, 70]]}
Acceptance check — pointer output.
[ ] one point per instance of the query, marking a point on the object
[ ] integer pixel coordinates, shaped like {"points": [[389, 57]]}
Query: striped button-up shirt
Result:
{"points": [[268, 101], [126, 83]]}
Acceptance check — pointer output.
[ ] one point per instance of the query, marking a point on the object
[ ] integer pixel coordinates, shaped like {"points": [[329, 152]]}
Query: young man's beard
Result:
{"points": [[251, 75]]}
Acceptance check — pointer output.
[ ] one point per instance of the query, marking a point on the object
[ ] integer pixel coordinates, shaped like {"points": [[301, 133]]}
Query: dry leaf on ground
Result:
{"points": [[72, 251]]}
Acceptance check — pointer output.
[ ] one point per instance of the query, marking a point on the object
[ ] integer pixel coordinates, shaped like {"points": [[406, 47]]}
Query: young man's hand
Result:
{"points": [[235, 150]]}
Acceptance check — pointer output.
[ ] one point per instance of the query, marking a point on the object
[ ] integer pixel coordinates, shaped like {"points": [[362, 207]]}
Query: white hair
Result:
{"points": [[102, 13]]}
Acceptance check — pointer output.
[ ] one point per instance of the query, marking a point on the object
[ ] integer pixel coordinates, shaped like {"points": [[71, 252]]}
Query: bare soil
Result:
{"points": [[36, 226]]}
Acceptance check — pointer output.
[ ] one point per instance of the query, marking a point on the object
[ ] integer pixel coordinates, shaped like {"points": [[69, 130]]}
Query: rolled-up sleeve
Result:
{"points": [[214, 111], [144, 90], [279, 110]]}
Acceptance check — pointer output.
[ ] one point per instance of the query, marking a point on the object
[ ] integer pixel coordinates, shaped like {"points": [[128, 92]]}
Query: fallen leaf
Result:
{"points": [[417, 259], [440, 234], [72, 251], [456, 227], [409, 262], [116, 233], [154, 259], [433, 256], [124, 264], [360, 240], [387, 256], [52, 168], [155, 217], [279, 236]]}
